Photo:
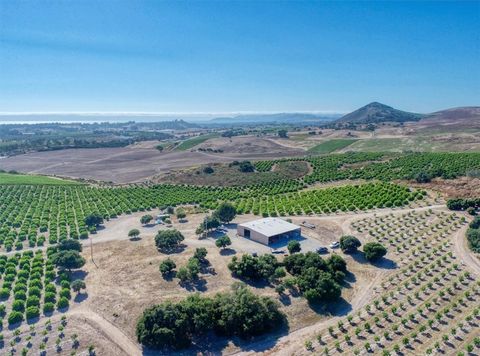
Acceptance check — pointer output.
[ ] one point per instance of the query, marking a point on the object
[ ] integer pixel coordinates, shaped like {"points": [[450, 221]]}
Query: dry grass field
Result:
{"points": [[140, 162]]}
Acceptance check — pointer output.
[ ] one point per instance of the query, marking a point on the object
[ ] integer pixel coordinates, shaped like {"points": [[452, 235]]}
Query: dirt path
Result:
{"points": [[463, 251], [114, 334]]}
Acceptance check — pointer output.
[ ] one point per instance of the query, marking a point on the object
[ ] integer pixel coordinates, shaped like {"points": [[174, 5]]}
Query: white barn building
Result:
{"points": [[268, 230]]}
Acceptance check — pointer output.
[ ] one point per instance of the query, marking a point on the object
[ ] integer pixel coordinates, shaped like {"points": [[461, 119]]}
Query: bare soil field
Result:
{"points": [[247, 145], [136, 163]]}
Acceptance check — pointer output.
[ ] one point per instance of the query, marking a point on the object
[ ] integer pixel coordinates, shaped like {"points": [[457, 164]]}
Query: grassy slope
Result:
{"points": [[332, 145], [13, 179], [192, 142]]}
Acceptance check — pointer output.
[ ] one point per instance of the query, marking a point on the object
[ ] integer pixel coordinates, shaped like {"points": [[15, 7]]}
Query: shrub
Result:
{"points": [[93, 220], [20, 295], [183, 274], [294, 246], [167, 266], [50, 288], [18, 305], [15, 317], [33, 301], [475, 224], [374, 251], [473, 237], [35, 291], [423, 177], [471, 210], [168, 240], [62, 303], [78, 285], [208, 170], [64, 293], [65, 284], [68, 259], [145, 219], [70, 244], [32, 312], [180, 213], [48, 307], [223, 241], [349, 244], [49, 297], [253, 268], [201, 254], [134, 233], [225, 212], [283, 133], [246, 166], [317, 279], [4, 293]]}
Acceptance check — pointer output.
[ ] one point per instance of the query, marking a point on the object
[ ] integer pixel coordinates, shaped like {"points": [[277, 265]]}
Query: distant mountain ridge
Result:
{"points": [[278, 117], [375, 113]]}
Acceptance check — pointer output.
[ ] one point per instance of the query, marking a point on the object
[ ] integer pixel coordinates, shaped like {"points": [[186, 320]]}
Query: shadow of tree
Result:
{"points": [[227, 251]]}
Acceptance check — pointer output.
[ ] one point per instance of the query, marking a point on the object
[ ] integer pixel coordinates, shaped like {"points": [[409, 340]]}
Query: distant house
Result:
{"points": [[268, 230]]}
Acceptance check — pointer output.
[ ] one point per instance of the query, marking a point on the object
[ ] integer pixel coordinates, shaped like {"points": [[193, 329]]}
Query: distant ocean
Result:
{"points": [[78, 118]]}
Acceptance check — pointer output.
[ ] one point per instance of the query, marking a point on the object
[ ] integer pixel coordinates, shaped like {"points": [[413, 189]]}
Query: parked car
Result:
{"points": [[254, 254], [307, 225], [278, 252], [335, 244], [322, 249]]}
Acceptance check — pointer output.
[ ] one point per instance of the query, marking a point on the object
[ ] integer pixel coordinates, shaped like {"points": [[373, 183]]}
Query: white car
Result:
{"points": [[335, 244]]}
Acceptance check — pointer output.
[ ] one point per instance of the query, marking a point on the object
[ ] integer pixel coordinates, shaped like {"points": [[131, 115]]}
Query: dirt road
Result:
{"points": [[464, 253], [115, 335]]}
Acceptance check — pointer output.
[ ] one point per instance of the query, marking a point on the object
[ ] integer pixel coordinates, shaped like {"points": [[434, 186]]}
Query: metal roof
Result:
{"points": [[270, 226]]}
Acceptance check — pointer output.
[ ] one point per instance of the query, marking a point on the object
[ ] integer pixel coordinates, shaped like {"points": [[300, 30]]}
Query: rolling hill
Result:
{"points": [[451, 120], [376, 113], [455, 115]]}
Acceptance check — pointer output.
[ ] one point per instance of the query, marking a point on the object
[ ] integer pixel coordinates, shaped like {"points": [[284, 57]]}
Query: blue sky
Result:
{"points": [[153, 56]]}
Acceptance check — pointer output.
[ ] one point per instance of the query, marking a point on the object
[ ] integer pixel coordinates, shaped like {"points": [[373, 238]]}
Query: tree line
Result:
{"points": [[236, 313]]}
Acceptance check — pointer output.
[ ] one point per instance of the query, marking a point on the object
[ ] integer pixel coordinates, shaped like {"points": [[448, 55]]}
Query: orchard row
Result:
{"points": [[384, 167], [330, 200], [36, 215], [31, 287]]}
